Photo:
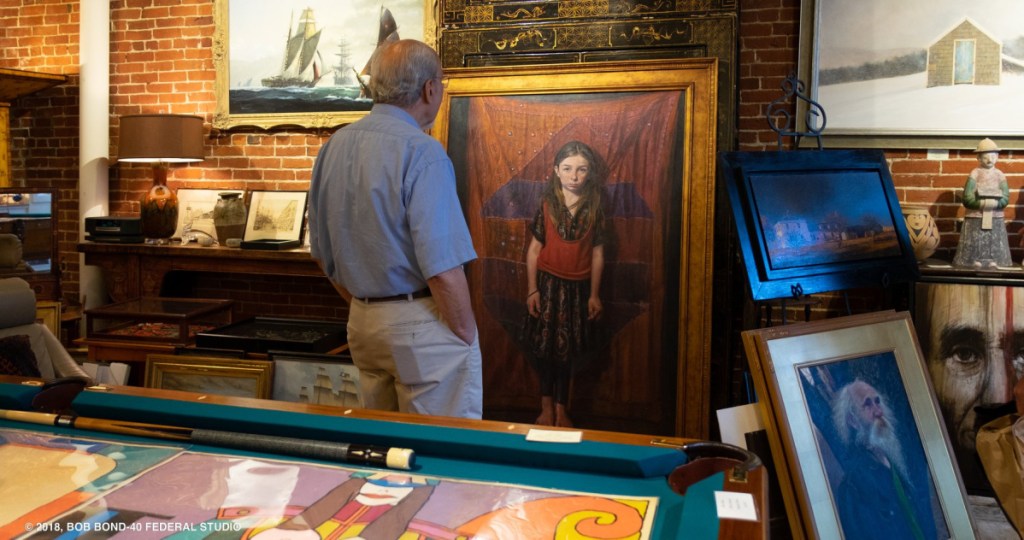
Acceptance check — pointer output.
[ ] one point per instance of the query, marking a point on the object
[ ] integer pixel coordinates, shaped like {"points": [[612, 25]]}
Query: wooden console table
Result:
{"points": [[136, 270]]}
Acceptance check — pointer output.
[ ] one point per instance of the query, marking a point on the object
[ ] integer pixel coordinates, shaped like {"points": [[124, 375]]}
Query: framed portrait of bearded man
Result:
{"points": [[855, 430]]}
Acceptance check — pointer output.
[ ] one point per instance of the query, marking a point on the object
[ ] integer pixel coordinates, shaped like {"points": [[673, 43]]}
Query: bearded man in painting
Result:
{"points": [[877, 493]]}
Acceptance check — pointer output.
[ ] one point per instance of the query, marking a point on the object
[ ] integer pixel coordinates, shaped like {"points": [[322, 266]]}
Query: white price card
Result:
{"points": [[732, 505], [555, 436]]}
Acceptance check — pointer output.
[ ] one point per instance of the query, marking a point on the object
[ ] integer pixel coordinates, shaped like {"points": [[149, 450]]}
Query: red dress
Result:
{"points": [[562, 333]]}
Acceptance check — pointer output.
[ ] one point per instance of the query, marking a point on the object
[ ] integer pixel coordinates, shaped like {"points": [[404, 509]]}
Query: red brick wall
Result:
{"points": [[43, 36], [162, 61]]}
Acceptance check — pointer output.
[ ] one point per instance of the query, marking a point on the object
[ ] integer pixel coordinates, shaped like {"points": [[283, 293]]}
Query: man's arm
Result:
{"points": [[451, 292]]}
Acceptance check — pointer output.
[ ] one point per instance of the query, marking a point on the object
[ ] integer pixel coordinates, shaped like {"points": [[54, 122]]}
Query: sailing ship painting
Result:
{"points": [[344, 71], [314, 66], [302, 61]]}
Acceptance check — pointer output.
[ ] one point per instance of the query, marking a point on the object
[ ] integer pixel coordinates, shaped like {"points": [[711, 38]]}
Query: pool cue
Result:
{"points": [[378, 456]]}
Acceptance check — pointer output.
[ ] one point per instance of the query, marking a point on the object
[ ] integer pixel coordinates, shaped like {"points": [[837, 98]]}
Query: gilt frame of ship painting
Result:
{"points": [[318, 84], [817, 221], [653, 122]]}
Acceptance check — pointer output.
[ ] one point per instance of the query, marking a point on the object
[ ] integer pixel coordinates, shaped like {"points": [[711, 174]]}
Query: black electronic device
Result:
{"points": [[121, 226], [111, 239]]}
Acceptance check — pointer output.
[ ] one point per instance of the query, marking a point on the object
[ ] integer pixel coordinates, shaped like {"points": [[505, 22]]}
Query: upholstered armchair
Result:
{"points": [[26, 347]]}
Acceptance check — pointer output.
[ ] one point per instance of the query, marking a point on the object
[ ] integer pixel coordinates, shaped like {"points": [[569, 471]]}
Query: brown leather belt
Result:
{"points": [[408, 297]]}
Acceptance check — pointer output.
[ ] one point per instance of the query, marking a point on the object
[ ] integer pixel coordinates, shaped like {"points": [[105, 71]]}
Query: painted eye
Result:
{"points": [[966, 355]]}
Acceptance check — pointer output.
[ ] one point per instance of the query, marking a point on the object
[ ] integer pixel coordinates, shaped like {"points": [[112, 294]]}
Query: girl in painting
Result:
{"points": [[564, 262]]}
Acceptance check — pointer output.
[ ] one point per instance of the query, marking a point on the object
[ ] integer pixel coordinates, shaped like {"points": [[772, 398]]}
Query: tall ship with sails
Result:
{"points": [[344, 71], [302, 61]]}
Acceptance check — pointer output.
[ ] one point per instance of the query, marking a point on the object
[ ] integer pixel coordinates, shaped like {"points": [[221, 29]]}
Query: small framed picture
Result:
{"points": [[318, 379], [210, 375], [275, 220], [856, 433], [195, 210], [810, 222], [48, 314]]}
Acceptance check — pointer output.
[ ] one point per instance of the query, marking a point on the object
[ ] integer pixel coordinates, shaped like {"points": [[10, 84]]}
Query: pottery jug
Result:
{"points": [[229, 217], [924, 234]]}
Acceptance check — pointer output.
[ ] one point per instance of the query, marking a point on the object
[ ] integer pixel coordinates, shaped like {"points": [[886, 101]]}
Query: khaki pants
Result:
{"points": [[409, 360]]}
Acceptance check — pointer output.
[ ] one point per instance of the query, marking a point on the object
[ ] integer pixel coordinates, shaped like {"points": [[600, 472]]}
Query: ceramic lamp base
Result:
{"points": [[159, 214]]}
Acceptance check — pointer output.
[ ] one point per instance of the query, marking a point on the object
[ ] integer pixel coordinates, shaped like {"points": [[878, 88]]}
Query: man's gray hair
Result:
{"points": [[399, 69], [842, 406]]}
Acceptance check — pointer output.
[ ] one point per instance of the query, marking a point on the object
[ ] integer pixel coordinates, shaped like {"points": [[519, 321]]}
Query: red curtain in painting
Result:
{"points": [[511, 144]]}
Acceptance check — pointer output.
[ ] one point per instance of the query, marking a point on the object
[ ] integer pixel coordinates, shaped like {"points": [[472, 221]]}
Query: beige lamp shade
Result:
{"points": [[161, 138]]}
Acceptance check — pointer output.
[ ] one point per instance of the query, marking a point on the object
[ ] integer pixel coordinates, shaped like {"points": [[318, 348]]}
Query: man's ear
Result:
{"points": [[428, 87], [851, 421]]}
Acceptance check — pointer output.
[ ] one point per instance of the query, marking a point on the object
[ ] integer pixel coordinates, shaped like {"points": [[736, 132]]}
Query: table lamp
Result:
{"points": [[160, 139]]}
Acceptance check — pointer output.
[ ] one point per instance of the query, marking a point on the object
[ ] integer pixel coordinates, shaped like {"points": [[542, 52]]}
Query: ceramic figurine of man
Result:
{"points": [[983, 241]]}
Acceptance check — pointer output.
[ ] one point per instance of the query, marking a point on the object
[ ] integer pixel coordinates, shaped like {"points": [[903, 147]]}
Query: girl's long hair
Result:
{"points": [[590, 198]]}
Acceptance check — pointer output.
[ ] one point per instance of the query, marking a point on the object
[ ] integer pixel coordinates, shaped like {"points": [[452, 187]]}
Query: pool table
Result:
{"points": [[456, 450]]}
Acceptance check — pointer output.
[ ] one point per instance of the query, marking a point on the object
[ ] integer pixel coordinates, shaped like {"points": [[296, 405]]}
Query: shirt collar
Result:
{"points": [[394, 112]]}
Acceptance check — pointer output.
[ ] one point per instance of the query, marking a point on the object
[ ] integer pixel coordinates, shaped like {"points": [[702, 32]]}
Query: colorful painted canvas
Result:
{"points": [[159, 492]]}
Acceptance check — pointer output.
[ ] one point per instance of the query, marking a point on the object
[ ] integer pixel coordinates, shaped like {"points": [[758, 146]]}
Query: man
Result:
{"points": [[387, 228], [877, 494], [973, 340]]}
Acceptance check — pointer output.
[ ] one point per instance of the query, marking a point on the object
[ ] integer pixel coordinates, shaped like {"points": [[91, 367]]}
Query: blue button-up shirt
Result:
{"points": [[384, 215]]}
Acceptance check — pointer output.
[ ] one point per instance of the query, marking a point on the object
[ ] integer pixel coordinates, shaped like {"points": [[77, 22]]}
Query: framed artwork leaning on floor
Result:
{"points": [[855, 430]]}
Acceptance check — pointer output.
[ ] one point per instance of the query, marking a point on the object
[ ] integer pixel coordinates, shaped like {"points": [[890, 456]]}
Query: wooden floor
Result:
{"points": [[990, 522]]}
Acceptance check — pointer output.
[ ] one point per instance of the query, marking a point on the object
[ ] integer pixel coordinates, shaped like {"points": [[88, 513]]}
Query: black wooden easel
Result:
{"points": [[783, 123]]}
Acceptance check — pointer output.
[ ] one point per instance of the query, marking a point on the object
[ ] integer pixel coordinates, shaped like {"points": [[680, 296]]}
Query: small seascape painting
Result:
{"points": [[320, 379], [819, 221], [811, 218]]}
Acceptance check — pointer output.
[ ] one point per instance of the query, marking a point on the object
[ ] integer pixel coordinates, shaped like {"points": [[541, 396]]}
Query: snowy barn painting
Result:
{"points": [[919, 67], [966, 54]]}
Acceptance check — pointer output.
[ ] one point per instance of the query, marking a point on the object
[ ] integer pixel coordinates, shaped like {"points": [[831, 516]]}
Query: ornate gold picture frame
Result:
{"points": [[210, 375], [301, 58], [654, 123], [48, 314]]}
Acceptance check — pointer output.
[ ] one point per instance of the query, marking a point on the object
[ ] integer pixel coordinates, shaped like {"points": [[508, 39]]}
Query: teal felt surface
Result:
{"points": [[700, 513], [17, 397], [606, 468], [606, 458]]}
